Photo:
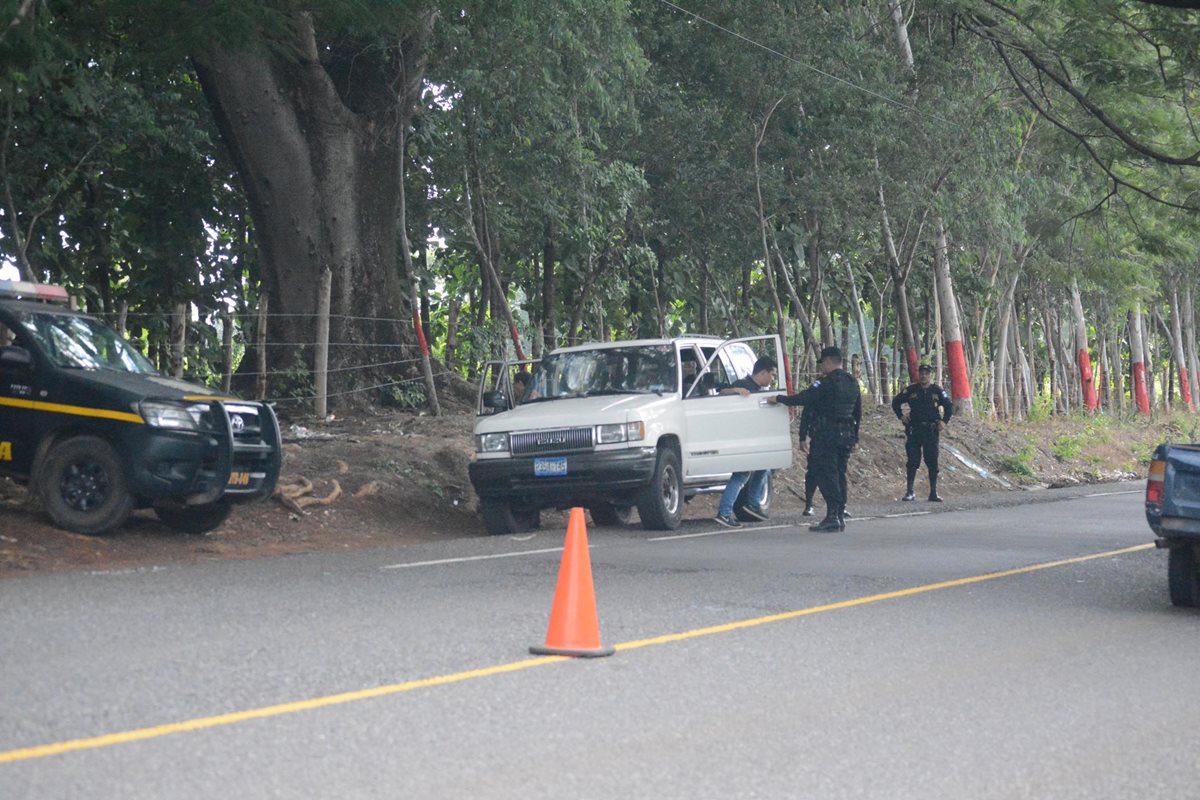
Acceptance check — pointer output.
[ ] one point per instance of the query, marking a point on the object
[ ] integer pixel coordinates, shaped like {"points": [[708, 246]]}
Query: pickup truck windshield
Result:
{"points": [[649, 369], [82, 343]]}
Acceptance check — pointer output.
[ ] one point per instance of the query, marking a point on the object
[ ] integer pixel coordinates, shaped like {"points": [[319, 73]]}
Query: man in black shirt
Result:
{"points": [[929, 411], [761, 376], [836, 403]]}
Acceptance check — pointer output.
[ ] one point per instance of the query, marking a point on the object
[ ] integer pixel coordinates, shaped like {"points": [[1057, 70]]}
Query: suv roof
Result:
{"points": [[699, 338], [38, 307]]}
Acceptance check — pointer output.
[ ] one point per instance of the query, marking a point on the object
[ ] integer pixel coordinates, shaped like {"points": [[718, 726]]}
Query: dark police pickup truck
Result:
{"points": [[1173, 511], [96, 431]]}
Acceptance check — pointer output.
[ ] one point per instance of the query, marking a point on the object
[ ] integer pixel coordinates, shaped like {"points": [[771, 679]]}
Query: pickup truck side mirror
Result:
{"points": [[14, 356], [495, 400]]}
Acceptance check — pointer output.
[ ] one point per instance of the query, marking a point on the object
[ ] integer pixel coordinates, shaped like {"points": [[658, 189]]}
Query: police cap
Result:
{"points": [[924, 368], [831, 352]]}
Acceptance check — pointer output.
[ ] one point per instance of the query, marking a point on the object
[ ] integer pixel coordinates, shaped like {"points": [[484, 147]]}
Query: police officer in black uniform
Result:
{"points": [[929, 410], [836, 403]]}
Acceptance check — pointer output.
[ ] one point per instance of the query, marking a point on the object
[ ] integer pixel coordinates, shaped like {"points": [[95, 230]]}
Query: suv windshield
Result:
{"points": [[648, 369], [84, 343]]}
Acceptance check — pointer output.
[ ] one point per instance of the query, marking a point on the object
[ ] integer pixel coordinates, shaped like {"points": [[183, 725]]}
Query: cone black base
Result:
{"points": [[540, 650]]}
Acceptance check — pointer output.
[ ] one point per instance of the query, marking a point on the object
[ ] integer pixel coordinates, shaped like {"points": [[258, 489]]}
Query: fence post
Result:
{"points": [[321, 360], [260, 379], [226, 351], [178, 338]]}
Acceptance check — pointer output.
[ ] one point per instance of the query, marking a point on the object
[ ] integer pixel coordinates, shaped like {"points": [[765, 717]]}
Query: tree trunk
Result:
{"points": [[1190, 342], [960, 384], [864, 341], [1185, 387], [1082, 357], [1138, 356], [1000, 387], [549, 302], [319, 160]]}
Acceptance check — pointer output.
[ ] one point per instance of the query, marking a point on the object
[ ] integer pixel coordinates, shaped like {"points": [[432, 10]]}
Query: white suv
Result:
{"points": [[619, 425]]}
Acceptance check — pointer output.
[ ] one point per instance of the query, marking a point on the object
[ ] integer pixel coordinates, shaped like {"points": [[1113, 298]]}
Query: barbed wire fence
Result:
{"points": [[177, 320]]}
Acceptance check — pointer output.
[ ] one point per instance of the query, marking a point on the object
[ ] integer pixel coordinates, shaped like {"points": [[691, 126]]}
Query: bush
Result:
{"points": [[1020, 463], [1068, 447]]}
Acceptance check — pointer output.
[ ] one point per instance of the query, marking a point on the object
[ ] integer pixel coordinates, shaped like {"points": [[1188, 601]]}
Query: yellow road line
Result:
{"points": [[201, 723]]}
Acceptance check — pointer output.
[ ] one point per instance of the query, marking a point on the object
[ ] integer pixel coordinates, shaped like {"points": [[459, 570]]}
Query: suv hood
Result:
{"points": [[574, 412], [132, 386]]}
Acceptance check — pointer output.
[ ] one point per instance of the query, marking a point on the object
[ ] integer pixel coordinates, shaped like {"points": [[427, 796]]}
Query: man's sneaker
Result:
{"points": [[909, 496], [756, 511], [728, 522], [809, 510]]}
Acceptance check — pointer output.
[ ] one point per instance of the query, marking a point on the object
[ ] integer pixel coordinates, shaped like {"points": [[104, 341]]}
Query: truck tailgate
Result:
{"points": [[1181, 495]]}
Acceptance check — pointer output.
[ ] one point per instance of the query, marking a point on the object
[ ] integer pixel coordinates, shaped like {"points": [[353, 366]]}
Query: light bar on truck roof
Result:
{"points": [[47, 292]]}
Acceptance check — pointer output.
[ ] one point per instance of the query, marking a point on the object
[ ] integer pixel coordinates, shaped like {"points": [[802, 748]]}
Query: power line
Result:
{"points": [[793, 59]]}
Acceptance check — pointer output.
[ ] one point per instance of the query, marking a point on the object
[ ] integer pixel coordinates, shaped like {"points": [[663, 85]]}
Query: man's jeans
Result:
{"points": [[754, 493]]}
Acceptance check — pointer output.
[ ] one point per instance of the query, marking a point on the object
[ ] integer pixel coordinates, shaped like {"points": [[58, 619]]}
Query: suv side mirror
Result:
{"points": [[495, 400], [14, 356]]}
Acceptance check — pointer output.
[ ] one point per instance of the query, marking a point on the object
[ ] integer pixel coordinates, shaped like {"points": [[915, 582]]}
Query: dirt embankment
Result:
{"points": [[384, 478]]}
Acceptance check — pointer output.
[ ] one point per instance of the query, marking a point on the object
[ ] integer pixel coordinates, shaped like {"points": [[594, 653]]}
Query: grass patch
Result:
{"points": [[1019, 463]]}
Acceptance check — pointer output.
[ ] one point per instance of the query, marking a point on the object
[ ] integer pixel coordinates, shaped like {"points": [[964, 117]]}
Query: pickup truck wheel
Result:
{"points": [[1183, 576], [501, 517], [193, 519], [610, 514], [82, 485], [764, 502], [660, 505]]}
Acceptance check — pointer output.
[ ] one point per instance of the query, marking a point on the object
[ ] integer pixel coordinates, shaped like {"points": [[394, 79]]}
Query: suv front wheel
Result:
{"points": [[660, 505], [194, 519], [501, 516], [82, 485]]}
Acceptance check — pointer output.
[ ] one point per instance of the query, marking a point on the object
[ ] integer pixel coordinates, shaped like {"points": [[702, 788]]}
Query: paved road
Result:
{"points": [[1026, 652]]}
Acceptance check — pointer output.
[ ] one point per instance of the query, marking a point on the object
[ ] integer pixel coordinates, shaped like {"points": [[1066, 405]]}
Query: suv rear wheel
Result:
{"points": [[611, 514], [660, 505], [82, 485], [1183, 576]]}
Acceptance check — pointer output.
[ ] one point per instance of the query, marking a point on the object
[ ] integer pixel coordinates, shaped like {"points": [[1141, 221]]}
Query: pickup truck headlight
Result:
{"points": [[172, 416], [621, 432], [491, 443]]}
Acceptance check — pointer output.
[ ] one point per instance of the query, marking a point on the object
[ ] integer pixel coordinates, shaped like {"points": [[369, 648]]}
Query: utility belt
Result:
{"points": [[819, 424], [925, 425]]}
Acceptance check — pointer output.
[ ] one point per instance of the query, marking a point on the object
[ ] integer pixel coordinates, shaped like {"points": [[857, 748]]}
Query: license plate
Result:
{"points": [[549, 467], [239, 479]]}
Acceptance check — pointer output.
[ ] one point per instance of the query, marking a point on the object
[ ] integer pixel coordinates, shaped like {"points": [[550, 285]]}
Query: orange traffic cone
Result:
{"points": [[574, 627]]}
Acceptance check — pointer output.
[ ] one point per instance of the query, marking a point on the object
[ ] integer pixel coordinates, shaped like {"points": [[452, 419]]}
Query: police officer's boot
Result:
{"points": [[808, 507], [908, 493], [842, 518], [933, 495], [832, 522]]}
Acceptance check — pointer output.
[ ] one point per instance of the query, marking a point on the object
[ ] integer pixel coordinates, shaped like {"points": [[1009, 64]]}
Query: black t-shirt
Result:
{"points": [[926, 404], [746, 383]]}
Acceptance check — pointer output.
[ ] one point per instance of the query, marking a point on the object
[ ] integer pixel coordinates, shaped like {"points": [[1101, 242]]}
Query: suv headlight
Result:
{"points": [[171, 416], [491, 443], [620, 432]]}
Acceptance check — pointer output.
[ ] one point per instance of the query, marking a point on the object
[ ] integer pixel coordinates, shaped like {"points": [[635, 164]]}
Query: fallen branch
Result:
{"points": [[305, 502]]}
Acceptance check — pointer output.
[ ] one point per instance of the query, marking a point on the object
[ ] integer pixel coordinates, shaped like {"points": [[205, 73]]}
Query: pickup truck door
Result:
{"points": [[732, 433], [497, 391], [20, 423]]}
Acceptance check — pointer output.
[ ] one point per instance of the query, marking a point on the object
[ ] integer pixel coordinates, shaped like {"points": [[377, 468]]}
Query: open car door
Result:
{"points": [[731, 433], [497, 385]]}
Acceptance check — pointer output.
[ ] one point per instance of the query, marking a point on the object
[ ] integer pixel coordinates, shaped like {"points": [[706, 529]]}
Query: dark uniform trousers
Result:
{"points": [[921, 439], [829, 457]]}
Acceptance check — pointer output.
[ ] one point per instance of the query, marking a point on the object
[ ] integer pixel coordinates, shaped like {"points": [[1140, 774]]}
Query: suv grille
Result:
{"points": [[559, 440]]}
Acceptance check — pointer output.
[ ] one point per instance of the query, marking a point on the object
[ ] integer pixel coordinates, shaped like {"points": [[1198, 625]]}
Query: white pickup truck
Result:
{"points": [[623, 425]]}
